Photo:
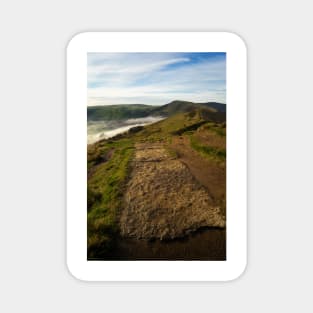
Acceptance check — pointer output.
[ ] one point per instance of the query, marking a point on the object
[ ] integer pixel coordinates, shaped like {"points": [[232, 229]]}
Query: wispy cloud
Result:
{"points": [[155, 78]]}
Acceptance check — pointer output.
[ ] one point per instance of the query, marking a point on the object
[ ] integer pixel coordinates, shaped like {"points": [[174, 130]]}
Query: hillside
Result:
{"points": [[118, 112], [128, 111], [156, 184], [178, 106]]}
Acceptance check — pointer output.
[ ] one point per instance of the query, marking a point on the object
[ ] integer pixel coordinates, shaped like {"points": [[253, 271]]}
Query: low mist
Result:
{"points": [[98, 130]]}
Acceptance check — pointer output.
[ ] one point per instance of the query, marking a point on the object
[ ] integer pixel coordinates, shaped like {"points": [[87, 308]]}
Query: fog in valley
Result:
{"points": [[98, 130]]}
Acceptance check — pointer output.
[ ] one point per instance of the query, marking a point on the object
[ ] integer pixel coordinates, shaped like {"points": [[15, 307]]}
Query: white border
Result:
{"points": [[77, 156]]}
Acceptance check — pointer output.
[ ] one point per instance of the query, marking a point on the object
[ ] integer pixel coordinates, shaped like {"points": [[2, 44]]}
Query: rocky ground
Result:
{"points": [[163, 199]]}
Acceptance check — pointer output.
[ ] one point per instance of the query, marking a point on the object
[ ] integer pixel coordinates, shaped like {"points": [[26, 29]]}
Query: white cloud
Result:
{"points": [[153, 78]]}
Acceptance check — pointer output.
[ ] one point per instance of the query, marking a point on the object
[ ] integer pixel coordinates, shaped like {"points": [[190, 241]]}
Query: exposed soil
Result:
{"points": [[164, 200], [209, 174]]}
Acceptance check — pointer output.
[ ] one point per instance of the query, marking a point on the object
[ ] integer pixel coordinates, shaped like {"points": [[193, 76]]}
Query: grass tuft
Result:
{"points": [[213, 153], [105, 190]]}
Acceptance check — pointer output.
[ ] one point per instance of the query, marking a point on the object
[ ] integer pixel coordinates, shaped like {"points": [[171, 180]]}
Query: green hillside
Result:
{"points": [[178, 106], [118, 112], [128, 111], [196, 134]]}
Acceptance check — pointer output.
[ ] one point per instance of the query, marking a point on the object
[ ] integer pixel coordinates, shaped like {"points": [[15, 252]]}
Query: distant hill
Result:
{"points": [[127, 111], [219, 107], [178, 106], [118, 112]]}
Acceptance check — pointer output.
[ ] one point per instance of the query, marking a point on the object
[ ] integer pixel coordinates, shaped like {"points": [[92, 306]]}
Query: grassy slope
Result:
{"points": [[211, 151], [178, 106], [119, 112], [108, 168], [105, 188]]}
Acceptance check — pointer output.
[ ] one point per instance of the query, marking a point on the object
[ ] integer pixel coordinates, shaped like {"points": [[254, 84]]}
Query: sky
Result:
{"points": [[155, 78]]}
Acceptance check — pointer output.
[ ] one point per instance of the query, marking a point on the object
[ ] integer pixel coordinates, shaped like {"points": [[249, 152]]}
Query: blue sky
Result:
{"points": [[156, 78]]}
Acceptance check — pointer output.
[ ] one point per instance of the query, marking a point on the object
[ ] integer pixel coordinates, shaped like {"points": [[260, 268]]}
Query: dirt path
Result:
{"points": [[210, 175], [163, 199]]}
